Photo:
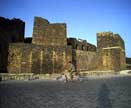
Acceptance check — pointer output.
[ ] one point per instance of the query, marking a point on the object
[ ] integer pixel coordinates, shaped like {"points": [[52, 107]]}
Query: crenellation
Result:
{"points": [[81, 44]]}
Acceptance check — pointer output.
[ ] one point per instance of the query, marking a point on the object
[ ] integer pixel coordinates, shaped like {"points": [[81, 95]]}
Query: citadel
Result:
{"points": [[49, 49]]}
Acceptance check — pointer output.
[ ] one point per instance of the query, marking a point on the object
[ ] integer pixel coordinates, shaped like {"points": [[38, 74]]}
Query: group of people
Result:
{"points": [[70, 74]]}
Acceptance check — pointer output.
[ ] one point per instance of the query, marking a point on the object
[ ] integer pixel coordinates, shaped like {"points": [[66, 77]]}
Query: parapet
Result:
{"points": [[104, 34], [80, 44], [48, 34]]}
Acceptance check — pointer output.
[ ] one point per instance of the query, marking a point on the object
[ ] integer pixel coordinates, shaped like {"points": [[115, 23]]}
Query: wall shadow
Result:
{"points": [[4, 47], [103, 97]]}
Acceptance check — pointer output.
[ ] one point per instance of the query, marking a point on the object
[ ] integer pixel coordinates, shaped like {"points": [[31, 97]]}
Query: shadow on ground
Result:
{"points": [[103, 97]]}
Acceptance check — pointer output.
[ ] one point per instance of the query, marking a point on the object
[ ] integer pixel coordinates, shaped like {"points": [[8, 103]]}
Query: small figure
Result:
{"points": [[71, 70]]}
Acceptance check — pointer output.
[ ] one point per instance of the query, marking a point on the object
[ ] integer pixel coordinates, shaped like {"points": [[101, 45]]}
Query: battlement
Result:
{"points": [[80, 44], [104, 34], [48, 34]]}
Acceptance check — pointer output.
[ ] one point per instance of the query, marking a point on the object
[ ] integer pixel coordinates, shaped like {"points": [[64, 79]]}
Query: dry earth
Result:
{"points": [[92, 93]]}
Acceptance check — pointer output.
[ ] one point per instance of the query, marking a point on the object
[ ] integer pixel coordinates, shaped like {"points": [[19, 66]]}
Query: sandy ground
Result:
{"points": [[111, 92]]}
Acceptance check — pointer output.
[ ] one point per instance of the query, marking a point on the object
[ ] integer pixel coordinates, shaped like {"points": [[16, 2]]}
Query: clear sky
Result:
{"points": [[84, 18]]}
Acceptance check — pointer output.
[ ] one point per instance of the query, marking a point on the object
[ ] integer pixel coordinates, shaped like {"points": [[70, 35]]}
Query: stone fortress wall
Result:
{"points": [[47, 53], [31, 58], [11, 31], [83, 54], [49, 50]]}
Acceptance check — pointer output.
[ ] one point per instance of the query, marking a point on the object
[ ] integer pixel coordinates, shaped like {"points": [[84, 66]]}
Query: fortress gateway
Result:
{"points": [[49, 49]]}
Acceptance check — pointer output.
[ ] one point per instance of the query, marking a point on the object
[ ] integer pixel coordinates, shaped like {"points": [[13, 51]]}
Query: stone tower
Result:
{"points": [[111, 48], [48, 34], [11, 31]]}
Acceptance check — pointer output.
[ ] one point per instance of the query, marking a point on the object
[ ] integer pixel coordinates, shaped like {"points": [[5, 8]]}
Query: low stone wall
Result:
{"points": [[31, 76], [98, 73], [27, 76], [14, 76]]}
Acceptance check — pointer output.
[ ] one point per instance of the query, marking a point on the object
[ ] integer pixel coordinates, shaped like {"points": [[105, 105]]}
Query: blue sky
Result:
{"points": [[84, 18]]}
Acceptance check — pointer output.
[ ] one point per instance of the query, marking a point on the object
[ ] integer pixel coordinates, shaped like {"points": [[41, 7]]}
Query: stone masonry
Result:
{"points": [[49, 49], [30, 58], [111, 49], [48, 52], [83, 54], [10, 31], [48, 34]]}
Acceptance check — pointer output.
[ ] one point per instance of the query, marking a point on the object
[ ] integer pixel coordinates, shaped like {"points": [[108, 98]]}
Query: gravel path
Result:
{"points": [[91, 93]]}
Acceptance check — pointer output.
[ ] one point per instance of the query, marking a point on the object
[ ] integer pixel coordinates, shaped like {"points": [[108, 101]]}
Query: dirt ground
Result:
{"points": [[90, 93]]}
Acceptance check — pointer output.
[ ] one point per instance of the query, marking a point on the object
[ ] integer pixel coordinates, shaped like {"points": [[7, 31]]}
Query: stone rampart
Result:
{"points": [[49, 50], [30, 58]]}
